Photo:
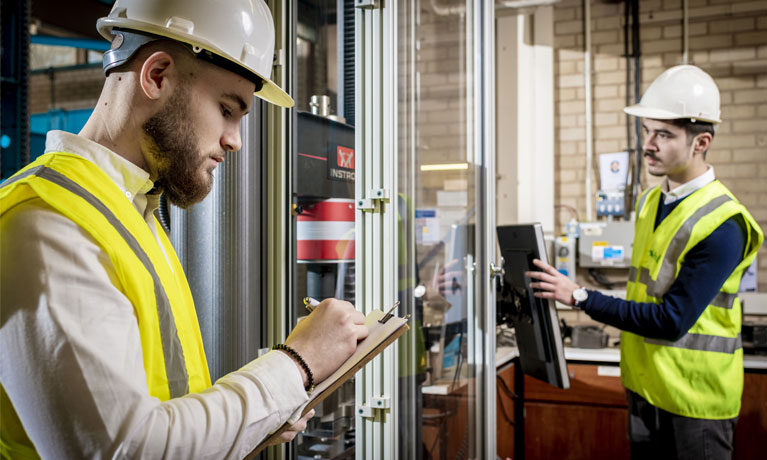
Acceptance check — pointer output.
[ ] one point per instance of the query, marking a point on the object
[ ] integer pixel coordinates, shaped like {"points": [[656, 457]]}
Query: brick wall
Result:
{"points": [[727, 39], [441, 133], [72, 89]]}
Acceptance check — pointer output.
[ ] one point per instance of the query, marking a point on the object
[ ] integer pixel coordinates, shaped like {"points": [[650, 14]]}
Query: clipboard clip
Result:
{"points": [[389, 313]]}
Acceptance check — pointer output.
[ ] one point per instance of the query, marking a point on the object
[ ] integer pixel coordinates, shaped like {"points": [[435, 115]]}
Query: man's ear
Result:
{"points": [[701, 143], [154, 73]]}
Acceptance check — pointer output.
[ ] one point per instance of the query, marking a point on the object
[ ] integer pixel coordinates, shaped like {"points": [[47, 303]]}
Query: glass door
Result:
{"points": [[322, 194], [445, 157], [392, 152]]}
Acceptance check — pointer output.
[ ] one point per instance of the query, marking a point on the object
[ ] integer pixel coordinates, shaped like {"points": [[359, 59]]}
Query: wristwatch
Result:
{"points": [[579, 296]]}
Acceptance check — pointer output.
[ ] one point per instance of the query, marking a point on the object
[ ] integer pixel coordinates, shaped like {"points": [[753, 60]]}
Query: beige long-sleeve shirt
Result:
{"points": [[71, 359]]}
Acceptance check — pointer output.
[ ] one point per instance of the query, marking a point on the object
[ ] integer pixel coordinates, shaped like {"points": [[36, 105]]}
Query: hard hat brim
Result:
{"points": [[638, 110], [269, 92]]}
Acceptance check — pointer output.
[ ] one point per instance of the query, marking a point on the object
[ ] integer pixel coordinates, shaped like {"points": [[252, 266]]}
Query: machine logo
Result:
{"points": [[345, 157]]}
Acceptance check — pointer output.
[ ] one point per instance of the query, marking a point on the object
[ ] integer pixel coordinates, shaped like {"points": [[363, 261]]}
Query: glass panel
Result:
{"points": [[438, 191], [323, 193]]}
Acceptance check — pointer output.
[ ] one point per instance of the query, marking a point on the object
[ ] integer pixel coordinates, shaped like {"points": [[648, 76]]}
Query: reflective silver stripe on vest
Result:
{"points": [[702, 342], [175, 365], [667, 272], [724, 300], [22, 175], [633, 271], [645, 278]]}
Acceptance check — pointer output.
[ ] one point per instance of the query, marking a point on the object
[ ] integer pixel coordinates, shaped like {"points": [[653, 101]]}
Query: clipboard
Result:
{"points": [[384, 330]]}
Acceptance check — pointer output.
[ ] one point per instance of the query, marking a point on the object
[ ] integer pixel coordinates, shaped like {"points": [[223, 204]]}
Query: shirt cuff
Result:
{"points": [[280, 375], [584, 305], [299, 391]]}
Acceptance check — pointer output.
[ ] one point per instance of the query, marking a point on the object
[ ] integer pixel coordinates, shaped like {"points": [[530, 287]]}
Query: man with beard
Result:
{"points": [[102, 352], [681, 350]]}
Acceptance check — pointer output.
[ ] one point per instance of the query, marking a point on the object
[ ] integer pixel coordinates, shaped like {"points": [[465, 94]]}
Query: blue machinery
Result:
{"points": [[65, 120]]}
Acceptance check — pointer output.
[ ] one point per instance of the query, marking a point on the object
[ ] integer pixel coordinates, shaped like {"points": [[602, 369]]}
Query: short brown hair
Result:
{"points": [[693, 128]]}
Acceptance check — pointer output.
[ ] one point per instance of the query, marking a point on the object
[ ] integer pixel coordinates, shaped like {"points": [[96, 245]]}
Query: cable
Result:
{"points": [[601, 279], [500, 401], [572, 210], [434, 444], [461, 453], [509, 392]]}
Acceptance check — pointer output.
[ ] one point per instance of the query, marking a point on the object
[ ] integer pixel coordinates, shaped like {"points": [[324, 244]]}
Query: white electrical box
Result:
{"points": [[606, 244]]}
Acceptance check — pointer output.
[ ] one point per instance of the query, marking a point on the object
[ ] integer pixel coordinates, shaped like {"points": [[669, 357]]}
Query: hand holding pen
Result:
{"points": [[310, 303], [328, 337]]}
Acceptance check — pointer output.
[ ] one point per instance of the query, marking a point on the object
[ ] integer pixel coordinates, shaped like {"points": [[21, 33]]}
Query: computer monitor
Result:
{"points": [[535, 320]]}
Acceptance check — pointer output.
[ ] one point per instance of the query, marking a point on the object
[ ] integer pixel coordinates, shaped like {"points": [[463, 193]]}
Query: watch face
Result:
{"points": [[580, 294]]}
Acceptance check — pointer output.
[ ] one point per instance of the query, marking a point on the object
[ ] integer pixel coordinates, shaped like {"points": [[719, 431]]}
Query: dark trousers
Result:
{"points": [[655, 434]]}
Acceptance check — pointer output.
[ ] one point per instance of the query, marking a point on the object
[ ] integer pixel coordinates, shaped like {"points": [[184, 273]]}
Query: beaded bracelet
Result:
{"points": [[294, 354]]}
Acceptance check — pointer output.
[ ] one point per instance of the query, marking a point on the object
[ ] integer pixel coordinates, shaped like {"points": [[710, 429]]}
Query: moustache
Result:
{"points": [[651, 156]]}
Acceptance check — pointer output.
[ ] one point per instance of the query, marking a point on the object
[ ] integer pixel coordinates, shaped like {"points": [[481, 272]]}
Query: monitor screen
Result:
{"points": [[535, 320]]}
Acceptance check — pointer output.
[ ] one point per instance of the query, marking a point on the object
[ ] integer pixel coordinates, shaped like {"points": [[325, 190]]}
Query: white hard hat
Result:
{"points": [[683, 91], [235, 34]]}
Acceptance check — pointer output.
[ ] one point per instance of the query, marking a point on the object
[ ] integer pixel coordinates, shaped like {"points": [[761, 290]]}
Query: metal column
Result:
{"points": [[219, 243], [14, 85], [376, 215]]}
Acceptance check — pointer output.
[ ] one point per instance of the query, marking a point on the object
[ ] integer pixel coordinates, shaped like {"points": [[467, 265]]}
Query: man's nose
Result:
{"points": [[649, 143], [231, 140]]}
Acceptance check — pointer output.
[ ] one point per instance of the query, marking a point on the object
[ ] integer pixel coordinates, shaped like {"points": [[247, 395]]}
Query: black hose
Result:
{"points": [[163, 212]]}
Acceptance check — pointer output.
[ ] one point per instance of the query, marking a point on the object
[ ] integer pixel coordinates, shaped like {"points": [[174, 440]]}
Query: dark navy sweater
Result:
{"points": [[703, 272]]}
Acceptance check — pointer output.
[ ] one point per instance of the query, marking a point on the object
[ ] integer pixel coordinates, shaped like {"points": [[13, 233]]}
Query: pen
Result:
{"points": [[310, 303]]}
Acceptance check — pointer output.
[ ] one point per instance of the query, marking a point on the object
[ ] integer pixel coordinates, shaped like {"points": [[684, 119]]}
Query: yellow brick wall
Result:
{"points": [[73, 89], [440, 113], [727, 39]]}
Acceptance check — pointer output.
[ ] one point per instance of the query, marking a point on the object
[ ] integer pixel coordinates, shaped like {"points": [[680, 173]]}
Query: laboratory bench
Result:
{"points": [[537, 420]]}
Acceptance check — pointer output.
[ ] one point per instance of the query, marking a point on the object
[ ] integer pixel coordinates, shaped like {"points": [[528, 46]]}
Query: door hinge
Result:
{"points": [[373, 201], [367, 4], [497, 272], [279, 58], [376, 406]]}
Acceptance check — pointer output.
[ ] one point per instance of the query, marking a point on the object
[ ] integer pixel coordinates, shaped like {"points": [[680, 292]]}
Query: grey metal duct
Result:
{"points": [[219, 243]]}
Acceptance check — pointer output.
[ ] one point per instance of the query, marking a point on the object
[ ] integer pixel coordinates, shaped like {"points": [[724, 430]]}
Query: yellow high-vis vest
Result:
{"points": [[699, 375], [173, 354]]}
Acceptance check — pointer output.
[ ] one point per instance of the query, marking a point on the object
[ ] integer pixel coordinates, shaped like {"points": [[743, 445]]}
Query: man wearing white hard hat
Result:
{"points": [[681, 350], [102, 352]]}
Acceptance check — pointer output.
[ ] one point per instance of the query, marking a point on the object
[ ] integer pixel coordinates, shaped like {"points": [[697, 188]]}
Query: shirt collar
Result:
{"points": [[671, 196], [130, 178]]}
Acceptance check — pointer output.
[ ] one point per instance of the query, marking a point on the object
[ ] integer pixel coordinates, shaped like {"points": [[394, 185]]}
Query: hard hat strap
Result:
{"points": [[124, 45]]}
